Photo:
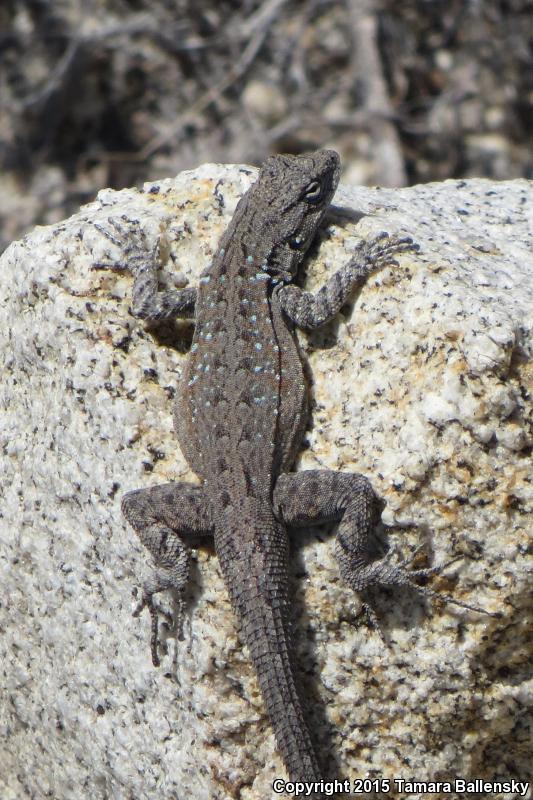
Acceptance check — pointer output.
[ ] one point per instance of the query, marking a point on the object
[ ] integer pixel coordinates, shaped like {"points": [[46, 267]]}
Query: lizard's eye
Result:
{"points": [[313, 192]]}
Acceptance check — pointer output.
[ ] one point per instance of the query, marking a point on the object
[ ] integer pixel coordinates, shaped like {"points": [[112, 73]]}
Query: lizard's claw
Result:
{"points": [[388, 571], [410, 576], [373, 619], [380, 252], [147, 601], [442, 597], [130, 240], [384, 247]]}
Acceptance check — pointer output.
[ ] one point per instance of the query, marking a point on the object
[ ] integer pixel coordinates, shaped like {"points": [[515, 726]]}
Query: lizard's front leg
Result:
{"points": [[317, 496], [309, 311], [142, 260], [168, 519]]}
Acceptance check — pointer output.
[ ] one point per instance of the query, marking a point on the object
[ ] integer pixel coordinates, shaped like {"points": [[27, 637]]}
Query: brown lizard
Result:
{"points": [[240, 418]]}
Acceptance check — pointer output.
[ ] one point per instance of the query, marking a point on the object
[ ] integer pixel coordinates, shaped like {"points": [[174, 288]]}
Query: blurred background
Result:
{"points": [[110, 93]]}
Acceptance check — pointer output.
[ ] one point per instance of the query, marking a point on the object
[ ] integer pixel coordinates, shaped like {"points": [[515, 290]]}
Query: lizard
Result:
{"points": [[240, 417]]}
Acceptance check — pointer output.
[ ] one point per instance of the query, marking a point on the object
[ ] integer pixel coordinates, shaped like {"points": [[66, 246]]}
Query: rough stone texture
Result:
{"points": [[423, 384]]}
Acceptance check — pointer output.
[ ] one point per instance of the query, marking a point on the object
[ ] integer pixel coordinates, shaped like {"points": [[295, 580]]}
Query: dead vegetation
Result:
{"points": [[97, 93]]}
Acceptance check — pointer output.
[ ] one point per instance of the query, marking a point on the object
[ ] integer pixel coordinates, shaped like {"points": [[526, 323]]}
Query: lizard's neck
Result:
{"points": [[242, 253]]}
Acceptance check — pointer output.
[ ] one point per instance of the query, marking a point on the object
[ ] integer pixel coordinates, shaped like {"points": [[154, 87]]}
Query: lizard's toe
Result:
{"points": [[156, 612]]}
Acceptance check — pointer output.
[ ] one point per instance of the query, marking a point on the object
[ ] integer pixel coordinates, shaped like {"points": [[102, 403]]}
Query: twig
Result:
{"points": [[369, 74], [260, 21]]}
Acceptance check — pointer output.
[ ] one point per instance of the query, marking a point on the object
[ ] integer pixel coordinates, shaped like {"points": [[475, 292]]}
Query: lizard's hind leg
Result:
{"points": [[168, 519], [317, 496]]}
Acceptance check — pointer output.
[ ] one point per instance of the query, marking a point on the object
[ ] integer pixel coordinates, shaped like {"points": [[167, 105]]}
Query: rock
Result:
{"points": [[423, 384]]}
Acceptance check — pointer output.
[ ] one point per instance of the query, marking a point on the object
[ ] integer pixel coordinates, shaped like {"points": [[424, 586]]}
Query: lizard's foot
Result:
{"points": [[381, 249], [388, 571], [378, 253], [147, 601], [171, 572], [130, 240]]}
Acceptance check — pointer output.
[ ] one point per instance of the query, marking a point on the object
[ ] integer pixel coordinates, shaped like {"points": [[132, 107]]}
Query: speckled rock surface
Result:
{"points": [[423, 384]]}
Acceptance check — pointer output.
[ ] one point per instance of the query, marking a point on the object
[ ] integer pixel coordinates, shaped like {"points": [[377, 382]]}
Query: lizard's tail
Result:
{"points": [[265, 634], [257, 583]]}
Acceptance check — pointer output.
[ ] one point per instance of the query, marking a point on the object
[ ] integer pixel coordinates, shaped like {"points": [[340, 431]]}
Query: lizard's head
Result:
{"points": [[295, 192]]}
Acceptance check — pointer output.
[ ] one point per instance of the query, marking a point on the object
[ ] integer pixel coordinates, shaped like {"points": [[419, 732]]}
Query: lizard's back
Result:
{"points": [[241, 414], [242, 407]]}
